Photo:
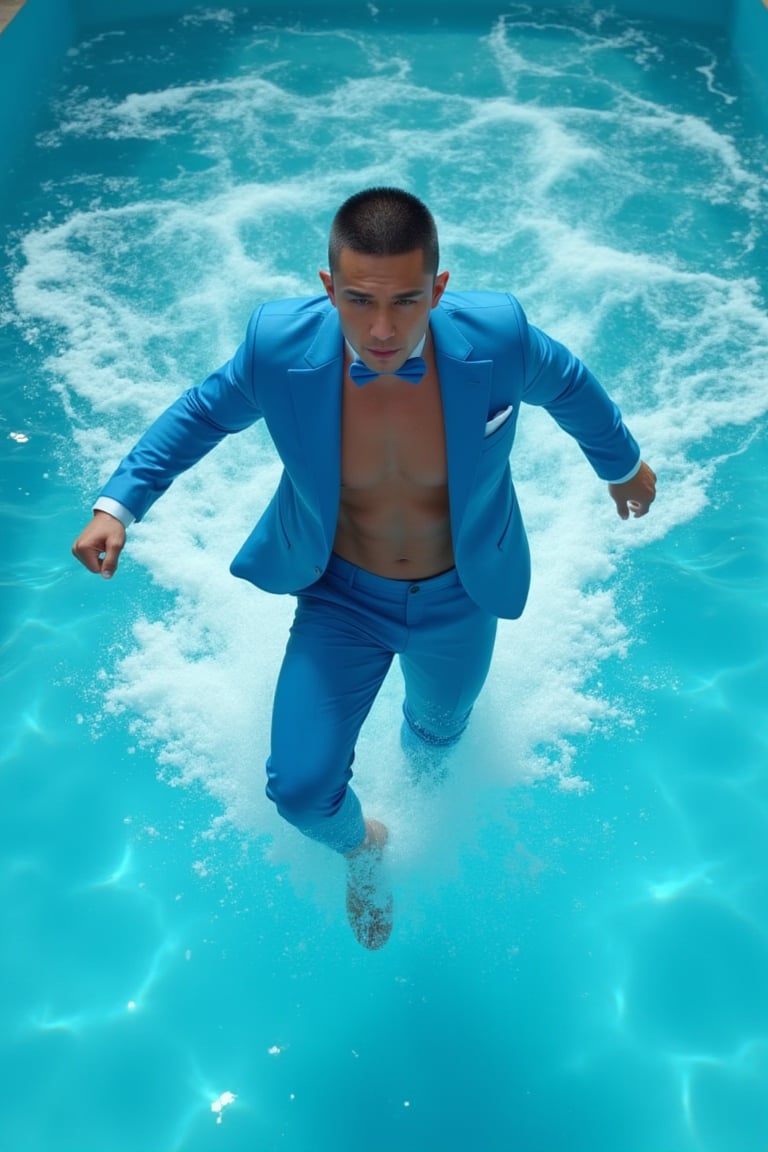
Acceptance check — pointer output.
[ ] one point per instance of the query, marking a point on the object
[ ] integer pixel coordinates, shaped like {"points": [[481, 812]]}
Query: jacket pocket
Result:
{"points": [[498, 421]]}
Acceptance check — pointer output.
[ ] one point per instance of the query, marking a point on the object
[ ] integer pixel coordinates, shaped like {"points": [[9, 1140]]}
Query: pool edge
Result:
{"points": [[34, 44]]}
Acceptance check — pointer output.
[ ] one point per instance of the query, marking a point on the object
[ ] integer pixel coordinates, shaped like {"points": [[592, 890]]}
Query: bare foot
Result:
{"points": [[369, 900]]}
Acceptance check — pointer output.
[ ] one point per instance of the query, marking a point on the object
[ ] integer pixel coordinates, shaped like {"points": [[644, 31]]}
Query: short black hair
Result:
{"points": [[384, 222]]}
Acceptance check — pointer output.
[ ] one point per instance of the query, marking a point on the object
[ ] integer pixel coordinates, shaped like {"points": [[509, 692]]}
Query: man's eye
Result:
{"points": [[406, 301], [360, 300]]}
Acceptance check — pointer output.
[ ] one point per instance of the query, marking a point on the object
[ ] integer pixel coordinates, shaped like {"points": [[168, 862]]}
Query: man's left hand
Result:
{"points": [[635, 495]]}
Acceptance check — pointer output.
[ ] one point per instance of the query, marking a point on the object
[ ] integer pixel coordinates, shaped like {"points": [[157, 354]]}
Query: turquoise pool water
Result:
{"points": [[580, 956]]}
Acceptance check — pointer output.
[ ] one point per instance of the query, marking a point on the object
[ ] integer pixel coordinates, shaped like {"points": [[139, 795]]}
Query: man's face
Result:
{"points": [[384, 304]]}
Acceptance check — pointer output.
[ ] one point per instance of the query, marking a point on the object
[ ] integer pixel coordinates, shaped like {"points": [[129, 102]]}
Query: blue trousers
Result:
{"points": [[348, 627]]}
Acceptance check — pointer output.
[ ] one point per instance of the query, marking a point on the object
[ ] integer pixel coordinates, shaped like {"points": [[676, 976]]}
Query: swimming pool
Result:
{"points": [[580, 950]]}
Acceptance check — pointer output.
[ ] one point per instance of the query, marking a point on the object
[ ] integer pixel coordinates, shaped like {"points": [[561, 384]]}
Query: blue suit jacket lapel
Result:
{"points": [[315, 394], [316, 390], [465, 387]]}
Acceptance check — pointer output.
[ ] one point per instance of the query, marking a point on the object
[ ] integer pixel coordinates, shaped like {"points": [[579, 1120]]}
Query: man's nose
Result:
{"points": [[382, 324]]}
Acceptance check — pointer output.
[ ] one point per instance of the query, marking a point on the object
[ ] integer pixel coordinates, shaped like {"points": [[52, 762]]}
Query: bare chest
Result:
{"points": [[392, 433]]}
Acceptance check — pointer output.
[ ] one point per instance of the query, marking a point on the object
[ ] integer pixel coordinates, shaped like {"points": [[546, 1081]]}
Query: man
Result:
{"points": [[393, 406]]}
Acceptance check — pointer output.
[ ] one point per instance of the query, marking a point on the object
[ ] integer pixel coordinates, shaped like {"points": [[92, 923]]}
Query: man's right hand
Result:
{"points": [[99, 546]]}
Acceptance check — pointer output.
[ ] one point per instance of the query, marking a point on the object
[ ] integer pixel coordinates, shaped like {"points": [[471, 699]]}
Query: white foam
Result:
{"points": [[221, 16], [220, 1103]]}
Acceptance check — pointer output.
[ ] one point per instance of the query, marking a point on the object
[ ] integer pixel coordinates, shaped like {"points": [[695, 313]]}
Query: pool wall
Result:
{"points": [[698, 11], [748, 29], [32, 48], [34, 44]]}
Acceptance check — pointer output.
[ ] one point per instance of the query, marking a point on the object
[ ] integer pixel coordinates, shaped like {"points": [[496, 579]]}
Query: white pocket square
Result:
{"points": [[497, 420]]}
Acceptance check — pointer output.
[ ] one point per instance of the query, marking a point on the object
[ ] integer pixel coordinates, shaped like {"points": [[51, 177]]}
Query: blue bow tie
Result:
{"points": [[413, 370]]}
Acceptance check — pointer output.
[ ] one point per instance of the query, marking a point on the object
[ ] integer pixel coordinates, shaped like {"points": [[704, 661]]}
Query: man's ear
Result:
{"points": [[439, 288], [327, 280]]}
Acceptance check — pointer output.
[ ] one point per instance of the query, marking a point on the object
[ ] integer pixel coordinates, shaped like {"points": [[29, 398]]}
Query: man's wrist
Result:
{"points": [[630, 475], [116, 509]]}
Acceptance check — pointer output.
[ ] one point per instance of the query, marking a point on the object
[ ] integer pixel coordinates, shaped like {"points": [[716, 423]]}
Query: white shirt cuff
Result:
{"points": [[116, 509], [629, 475]]}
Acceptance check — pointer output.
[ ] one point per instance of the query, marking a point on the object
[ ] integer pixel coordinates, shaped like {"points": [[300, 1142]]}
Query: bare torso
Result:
{"points": [[393, 510]]}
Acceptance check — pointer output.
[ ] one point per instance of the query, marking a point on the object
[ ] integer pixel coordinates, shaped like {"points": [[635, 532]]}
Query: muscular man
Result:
{"points": [[392, 404]]}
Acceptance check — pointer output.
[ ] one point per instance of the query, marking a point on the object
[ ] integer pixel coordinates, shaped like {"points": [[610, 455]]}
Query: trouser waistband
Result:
{"points": [[383, 586]]}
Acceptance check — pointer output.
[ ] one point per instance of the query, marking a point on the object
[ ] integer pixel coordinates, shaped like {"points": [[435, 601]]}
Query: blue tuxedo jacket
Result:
{"points": [[288, 372]]}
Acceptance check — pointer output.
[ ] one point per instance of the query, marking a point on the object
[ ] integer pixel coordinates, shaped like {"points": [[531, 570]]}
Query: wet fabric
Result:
{"points": [[347, 629]]}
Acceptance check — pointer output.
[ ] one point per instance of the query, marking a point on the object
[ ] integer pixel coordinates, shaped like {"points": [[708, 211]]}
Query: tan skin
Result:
{"points": [[393, 506]]}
